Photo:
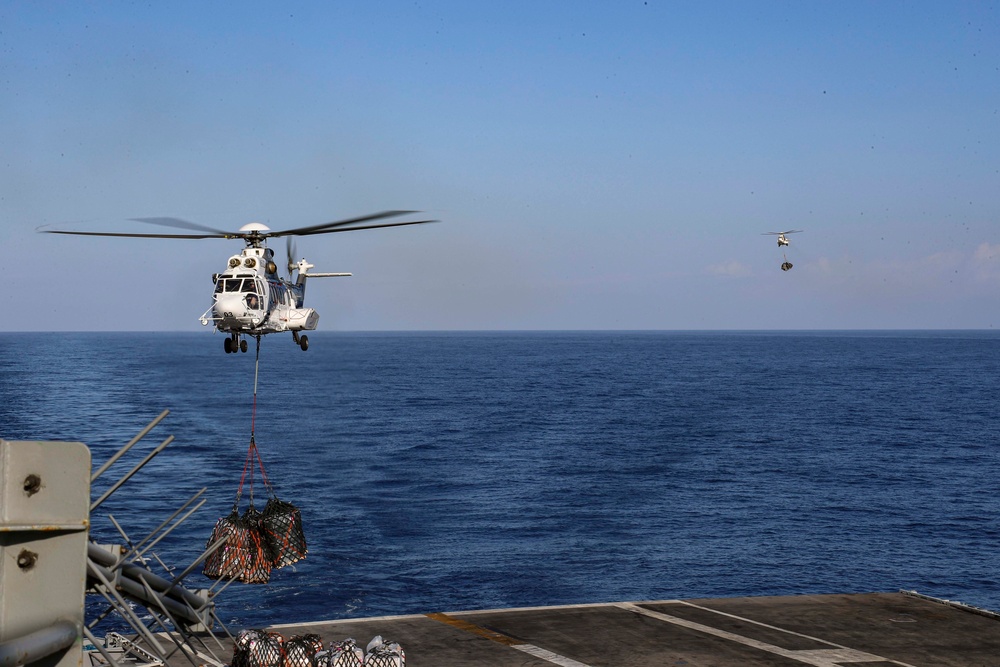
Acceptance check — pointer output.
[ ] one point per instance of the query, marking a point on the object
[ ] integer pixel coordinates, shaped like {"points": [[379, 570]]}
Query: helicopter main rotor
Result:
{"points": [[254, 233], [782, 240]]}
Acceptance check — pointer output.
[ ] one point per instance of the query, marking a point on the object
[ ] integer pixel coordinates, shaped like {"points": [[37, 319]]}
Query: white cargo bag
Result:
{"points": [[381, 653]]}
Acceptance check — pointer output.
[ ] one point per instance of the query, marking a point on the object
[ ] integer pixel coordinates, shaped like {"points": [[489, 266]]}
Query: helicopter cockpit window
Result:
{"points": [[236, 285], [228, 285]]}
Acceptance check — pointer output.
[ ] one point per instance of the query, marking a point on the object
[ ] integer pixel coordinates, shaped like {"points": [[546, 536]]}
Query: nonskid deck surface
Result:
{"points": [[867, 630]]}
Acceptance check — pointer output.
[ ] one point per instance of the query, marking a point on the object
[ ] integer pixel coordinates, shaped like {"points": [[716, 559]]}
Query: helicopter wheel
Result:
{"points": [[228, 344], [304, 342], [243, 345]]}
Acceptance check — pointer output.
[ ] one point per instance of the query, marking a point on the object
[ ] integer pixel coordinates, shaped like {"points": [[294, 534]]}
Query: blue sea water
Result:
{"points": [[447, 471]]}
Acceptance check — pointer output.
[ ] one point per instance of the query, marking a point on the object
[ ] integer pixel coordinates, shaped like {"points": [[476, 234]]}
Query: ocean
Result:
{"points": [[471, 470]]}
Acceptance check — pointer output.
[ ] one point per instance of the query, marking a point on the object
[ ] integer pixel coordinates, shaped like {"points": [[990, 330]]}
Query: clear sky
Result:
{"points": [[595, 165]]}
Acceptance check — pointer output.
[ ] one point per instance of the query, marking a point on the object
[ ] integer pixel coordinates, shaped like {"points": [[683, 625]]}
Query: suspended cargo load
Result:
{"points": [[281, 523], [258, 541], [258, 568], [244, 556], [218, 565]]}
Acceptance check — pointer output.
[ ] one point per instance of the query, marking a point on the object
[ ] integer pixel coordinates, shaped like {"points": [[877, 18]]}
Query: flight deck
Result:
{"points": [[868, 629]]}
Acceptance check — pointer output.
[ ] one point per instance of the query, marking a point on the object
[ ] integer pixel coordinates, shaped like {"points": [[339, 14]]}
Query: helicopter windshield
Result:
{"points": [[235, 285]]}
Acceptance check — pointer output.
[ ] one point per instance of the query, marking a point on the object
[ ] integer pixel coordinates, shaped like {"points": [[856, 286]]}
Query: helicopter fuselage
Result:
{"points": [[250, 298]]}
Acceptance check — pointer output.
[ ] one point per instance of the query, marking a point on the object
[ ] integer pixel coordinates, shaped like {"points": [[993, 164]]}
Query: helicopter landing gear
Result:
{"points": [[301, 341], [233, 344]]}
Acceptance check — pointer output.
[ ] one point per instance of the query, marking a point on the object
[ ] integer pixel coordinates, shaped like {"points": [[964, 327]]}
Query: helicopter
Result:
{"points": [[250, 298], [783, 241]]}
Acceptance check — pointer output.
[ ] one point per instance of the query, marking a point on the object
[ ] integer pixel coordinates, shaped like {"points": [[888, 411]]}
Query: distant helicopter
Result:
{"points": [[250, 298], [783, 241], [781, 236]]}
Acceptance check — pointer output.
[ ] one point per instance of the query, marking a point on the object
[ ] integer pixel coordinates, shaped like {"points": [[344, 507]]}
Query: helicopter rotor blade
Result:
{"points": [[182, 224], [139, 236], [351, 229], [347, 225], [316, 229]]}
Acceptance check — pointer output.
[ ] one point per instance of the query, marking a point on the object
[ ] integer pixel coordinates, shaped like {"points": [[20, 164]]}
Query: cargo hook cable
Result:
{"points": [[253, 452]]}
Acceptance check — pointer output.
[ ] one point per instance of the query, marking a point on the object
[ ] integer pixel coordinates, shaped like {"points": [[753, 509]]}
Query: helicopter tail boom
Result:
{"points": [[324, 275]]}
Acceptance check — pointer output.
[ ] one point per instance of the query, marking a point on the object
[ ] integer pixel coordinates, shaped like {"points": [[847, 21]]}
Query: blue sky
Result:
{"points": [[594, 165]]}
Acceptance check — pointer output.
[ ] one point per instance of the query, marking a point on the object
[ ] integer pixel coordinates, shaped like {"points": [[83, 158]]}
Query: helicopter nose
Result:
{"points": [[229, 307]]}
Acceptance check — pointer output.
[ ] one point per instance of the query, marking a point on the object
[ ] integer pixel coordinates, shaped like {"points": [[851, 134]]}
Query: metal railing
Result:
{"points": [[45, 514]]}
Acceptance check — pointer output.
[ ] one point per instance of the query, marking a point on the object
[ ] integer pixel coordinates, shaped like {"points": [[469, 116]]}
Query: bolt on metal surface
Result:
{"points": [[32, 485]]}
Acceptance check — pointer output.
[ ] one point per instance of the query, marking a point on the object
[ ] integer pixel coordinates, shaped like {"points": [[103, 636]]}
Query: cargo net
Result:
{"points": [[301, 650], [281, 523], [261, 648], [244, 556], [380, 653], [256, 541], [344, 653]]}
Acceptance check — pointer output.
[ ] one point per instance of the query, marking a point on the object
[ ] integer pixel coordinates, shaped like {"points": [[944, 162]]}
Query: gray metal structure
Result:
{"points": [[48, 562], [44, 517]]}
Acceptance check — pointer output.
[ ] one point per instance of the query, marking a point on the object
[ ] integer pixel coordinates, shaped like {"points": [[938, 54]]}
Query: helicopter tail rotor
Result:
{"points": [[291, 251]]}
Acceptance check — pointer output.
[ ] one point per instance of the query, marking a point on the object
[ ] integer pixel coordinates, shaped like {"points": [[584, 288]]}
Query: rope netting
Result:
{"points": [[381, 653], [263, 648], [256, 541], [344, 653], [258, 648]]}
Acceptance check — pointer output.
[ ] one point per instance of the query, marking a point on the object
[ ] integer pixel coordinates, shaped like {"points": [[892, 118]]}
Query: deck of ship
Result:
{"points": [[869, 630]]}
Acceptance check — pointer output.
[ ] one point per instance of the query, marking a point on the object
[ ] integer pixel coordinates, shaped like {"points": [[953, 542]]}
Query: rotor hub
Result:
{"points": [[254, 227]]}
